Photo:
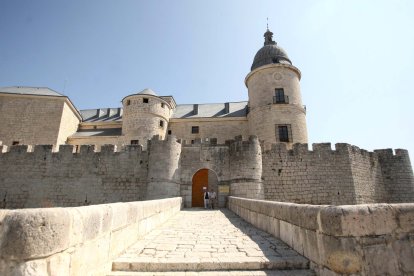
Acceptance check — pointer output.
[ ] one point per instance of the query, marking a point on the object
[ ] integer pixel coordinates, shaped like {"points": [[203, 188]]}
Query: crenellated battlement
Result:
{"points": [[69, 149], [74, 175], [340, 148]]}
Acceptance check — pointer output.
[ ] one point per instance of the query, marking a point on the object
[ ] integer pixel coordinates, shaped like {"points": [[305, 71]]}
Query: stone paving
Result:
{"points": [[209, 240]]}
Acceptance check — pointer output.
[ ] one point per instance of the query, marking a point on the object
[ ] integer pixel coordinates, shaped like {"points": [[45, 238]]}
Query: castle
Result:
{"points": [[320, 202], [154, 148]]}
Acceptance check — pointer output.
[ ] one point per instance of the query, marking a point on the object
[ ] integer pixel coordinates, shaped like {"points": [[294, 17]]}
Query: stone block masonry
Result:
{"points": [[346, 175], [368, 239], [38, 177], [42, 178], [76, 241]]}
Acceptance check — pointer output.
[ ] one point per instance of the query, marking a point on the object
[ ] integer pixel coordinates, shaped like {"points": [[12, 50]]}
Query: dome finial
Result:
{"points": [[268, 35]]}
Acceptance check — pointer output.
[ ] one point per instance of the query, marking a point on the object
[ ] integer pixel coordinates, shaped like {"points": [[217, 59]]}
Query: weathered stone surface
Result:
{"points": [[34, 233], [370, 239], [75, 241], [187, 242]]}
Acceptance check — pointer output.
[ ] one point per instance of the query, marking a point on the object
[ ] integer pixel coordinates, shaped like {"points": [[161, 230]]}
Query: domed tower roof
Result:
{"points": [[270, 53], [147, 91]]}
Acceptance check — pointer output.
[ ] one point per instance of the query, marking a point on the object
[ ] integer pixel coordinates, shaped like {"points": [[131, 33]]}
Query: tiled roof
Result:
{"points": [[26, 90]]}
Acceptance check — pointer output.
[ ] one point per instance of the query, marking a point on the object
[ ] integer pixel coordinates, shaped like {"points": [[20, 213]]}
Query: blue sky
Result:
{"points": [[356, 57]]}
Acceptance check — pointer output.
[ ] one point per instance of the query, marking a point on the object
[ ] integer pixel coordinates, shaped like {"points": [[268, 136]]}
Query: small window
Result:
{"points": [[145, 100], [134, 142], [195, 129], [280, 96], [95, 127], [128, 102], [15, 143], [283, 133], [169, 132], [162, 105], [161, 123], [192, 142]]}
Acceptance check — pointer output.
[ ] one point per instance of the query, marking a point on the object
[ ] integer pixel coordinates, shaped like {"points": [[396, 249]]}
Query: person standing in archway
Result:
{"points": [[213, 197], [206, 197]]}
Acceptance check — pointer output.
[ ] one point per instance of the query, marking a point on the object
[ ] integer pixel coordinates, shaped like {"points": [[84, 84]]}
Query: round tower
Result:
{"points": [[276, 113], [145, 115]]}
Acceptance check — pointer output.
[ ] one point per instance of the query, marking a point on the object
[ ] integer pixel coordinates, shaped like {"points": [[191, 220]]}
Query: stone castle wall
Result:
{"points": [[43, 178], [346, 175]]}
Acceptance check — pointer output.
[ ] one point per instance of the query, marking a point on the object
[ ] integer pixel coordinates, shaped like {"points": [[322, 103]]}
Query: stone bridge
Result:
{"points": [[251, 237]]}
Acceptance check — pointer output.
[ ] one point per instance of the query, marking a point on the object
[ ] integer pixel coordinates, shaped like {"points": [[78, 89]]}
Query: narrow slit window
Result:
{"points": [[161, 123]]}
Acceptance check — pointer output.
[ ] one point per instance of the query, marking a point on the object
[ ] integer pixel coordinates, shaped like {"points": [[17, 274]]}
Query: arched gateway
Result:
{"points": [[203, 179]]}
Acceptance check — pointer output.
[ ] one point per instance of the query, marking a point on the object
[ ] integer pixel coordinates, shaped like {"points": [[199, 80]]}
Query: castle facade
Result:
{"points": [[54, 155], [274, 112]]}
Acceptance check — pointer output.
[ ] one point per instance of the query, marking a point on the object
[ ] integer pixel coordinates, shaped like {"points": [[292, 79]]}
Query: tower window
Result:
{"points": [[283, 133], [128, 102], [195, 129], [275, 60], [169, 132], [280, 96], [145, 100], [134, 142], [162, 105], [161, 123]]}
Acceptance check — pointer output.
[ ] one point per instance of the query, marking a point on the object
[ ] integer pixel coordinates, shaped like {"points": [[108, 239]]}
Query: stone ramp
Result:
{"points": [[209, 242]]}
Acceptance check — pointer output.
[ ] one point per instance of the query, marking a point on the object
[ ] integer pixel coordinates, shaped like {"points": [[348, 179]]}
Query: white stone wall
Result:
{"points": [[31, 120], [371, 239], [76, 241], [68, 124]]}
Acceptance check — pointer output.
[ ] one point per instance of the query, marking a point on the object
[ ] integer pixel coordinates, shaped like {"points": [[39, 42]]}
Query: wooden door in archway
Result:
{"points": [[200, 180]]}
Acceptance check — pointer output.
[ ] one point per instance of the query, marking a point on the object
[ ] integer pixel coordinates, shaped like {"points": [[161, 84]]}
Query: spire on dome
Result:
{"points": [[268, 35]]}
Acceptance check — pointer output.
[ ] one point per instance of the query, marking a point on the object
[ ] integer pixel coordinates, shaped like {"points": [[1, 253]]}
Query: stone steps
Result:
{"points": [[217, 264], [296, 272]]}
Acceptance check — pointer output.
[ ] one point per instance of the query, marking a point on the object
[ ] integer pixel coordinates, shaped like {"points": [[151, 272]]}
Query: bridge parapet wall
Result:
{"points": [[367, 239], [76, 241]]}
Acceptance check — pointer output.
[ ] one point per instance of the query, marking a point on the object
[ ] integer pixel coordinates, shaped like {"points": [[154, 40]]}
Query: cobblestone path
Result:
{"points": [[210, 240]]}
